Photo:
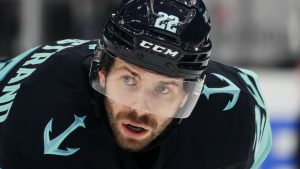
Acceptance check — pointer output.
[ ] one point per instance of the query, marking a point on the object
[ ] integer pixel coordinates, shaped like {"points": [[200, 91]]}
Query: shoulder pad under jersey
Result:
{"points": [[230, 121], [46, 58]]}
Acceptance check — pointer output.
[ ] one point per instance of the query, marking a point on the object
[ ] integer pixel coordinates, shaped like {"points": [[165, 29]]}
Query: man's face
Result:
{"points": [[136, 102]]}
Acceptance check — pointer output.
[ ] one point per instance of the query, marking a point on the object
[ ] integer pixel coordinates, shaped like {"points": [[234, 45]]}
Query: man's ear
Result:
{"points": [[101, 74]]}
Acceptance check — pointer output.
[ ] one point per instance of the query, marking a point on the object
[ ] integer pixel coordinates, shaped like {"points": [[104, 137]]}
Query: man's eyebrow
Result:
{"points": [[123, 67], [128, 69], [175, 83]]}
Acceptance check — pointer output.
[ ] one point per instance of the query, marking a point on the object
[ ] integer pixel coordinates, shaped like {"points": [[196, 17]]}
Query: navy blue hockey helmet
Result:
{"points": [[168, 37]]}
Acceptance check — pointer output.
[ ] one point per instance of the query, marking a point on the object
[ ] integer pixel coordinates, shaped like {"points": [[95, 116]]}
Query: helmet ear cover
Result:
{"points": [[99, 62], [100, 59]]}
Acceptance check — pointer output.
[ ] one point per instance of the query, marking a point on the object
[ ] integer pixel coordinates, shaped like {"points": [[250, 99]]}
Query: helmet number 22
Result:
{"points": [[167, 22]]}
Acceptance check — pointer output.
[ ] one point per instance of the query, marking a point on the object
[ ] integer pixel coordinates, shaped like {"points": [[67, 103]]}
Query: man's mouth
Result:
{"points": [[134, 128], [134, 131]]}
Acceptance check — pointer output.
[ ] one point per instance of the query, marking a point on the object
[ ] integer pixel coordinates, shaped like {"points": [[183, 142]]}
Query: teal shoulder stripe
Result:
{"points": [[263, 134], [7, 66], [263, 144], [264, 148]]}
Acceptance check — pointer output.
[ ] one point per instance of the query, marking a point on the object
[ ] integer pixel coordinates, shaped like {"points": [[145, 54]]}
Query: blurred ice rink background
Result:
{"points": [[262, 35]]}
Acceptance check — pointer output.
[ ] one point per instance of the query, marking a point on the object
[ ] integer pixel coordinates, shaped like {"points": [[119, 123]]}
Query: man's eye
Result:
{"points": [[128, 80], [162, 89]]}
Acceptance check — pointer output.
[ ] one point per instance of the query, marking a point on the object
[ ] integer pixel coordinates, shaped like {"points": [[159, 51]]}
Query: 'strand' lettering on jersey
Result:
{"points": [[9, 92], [7, 66]]}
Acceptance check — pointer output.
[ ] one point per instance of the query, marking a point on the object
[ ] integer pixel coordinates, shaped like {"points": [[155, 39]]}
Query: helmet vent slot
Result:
{"points": [[188, 58], [203, 57], [191, 66]]}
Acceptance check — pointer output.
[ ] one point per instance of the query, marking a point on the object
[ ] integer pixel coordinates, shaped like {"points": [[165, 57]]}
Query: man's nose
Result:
{"points": [[142, 103]]}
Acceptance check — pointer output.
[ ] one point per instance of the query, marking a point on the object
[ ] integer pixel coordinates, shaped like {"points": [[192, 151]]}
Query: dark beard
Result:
{"points": [[129, 143]]}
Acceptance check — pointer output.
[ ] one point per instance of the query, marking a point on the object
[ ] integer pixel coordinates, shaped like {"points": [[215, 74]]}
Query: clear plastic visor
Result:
{"points": [[146, 91]]}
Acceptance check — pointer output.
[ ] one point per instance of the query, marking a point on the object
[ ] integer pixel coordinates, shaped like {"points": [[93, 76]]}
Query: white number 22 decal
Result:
{"points": [[172, 22]]}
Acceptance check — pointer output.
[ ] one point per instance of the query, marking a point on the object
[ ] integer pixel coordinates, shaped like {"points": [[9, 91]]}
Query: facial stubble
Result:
{"points": [[127, 143]]}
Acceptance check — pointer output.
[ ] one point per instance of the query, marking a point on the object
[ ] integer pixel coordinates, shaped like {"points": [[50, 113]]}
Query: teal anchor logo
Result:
{"points": [[51, 146], [230, 89]]}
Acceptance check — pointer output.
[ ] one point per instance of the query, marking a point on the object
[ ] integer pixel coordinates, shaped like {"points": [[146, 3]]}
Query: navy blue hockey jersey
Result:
{"points": [[51, 118]]}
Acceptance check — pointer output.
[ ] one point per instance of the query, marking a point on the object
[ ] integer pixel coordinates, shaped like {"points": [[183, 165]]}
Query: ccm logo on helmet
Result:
{"points": [[159, 49]]}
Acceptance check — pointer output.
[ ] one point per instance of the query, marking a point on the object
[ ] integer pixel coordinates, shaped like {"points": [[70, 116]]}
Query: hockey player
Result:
{"points": [[144, 96]]}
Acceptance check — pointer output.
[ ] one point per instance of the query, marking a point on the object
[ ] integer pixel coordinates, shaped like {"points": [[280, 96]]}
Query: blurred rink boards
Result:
{"points": [[281, 90]]}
